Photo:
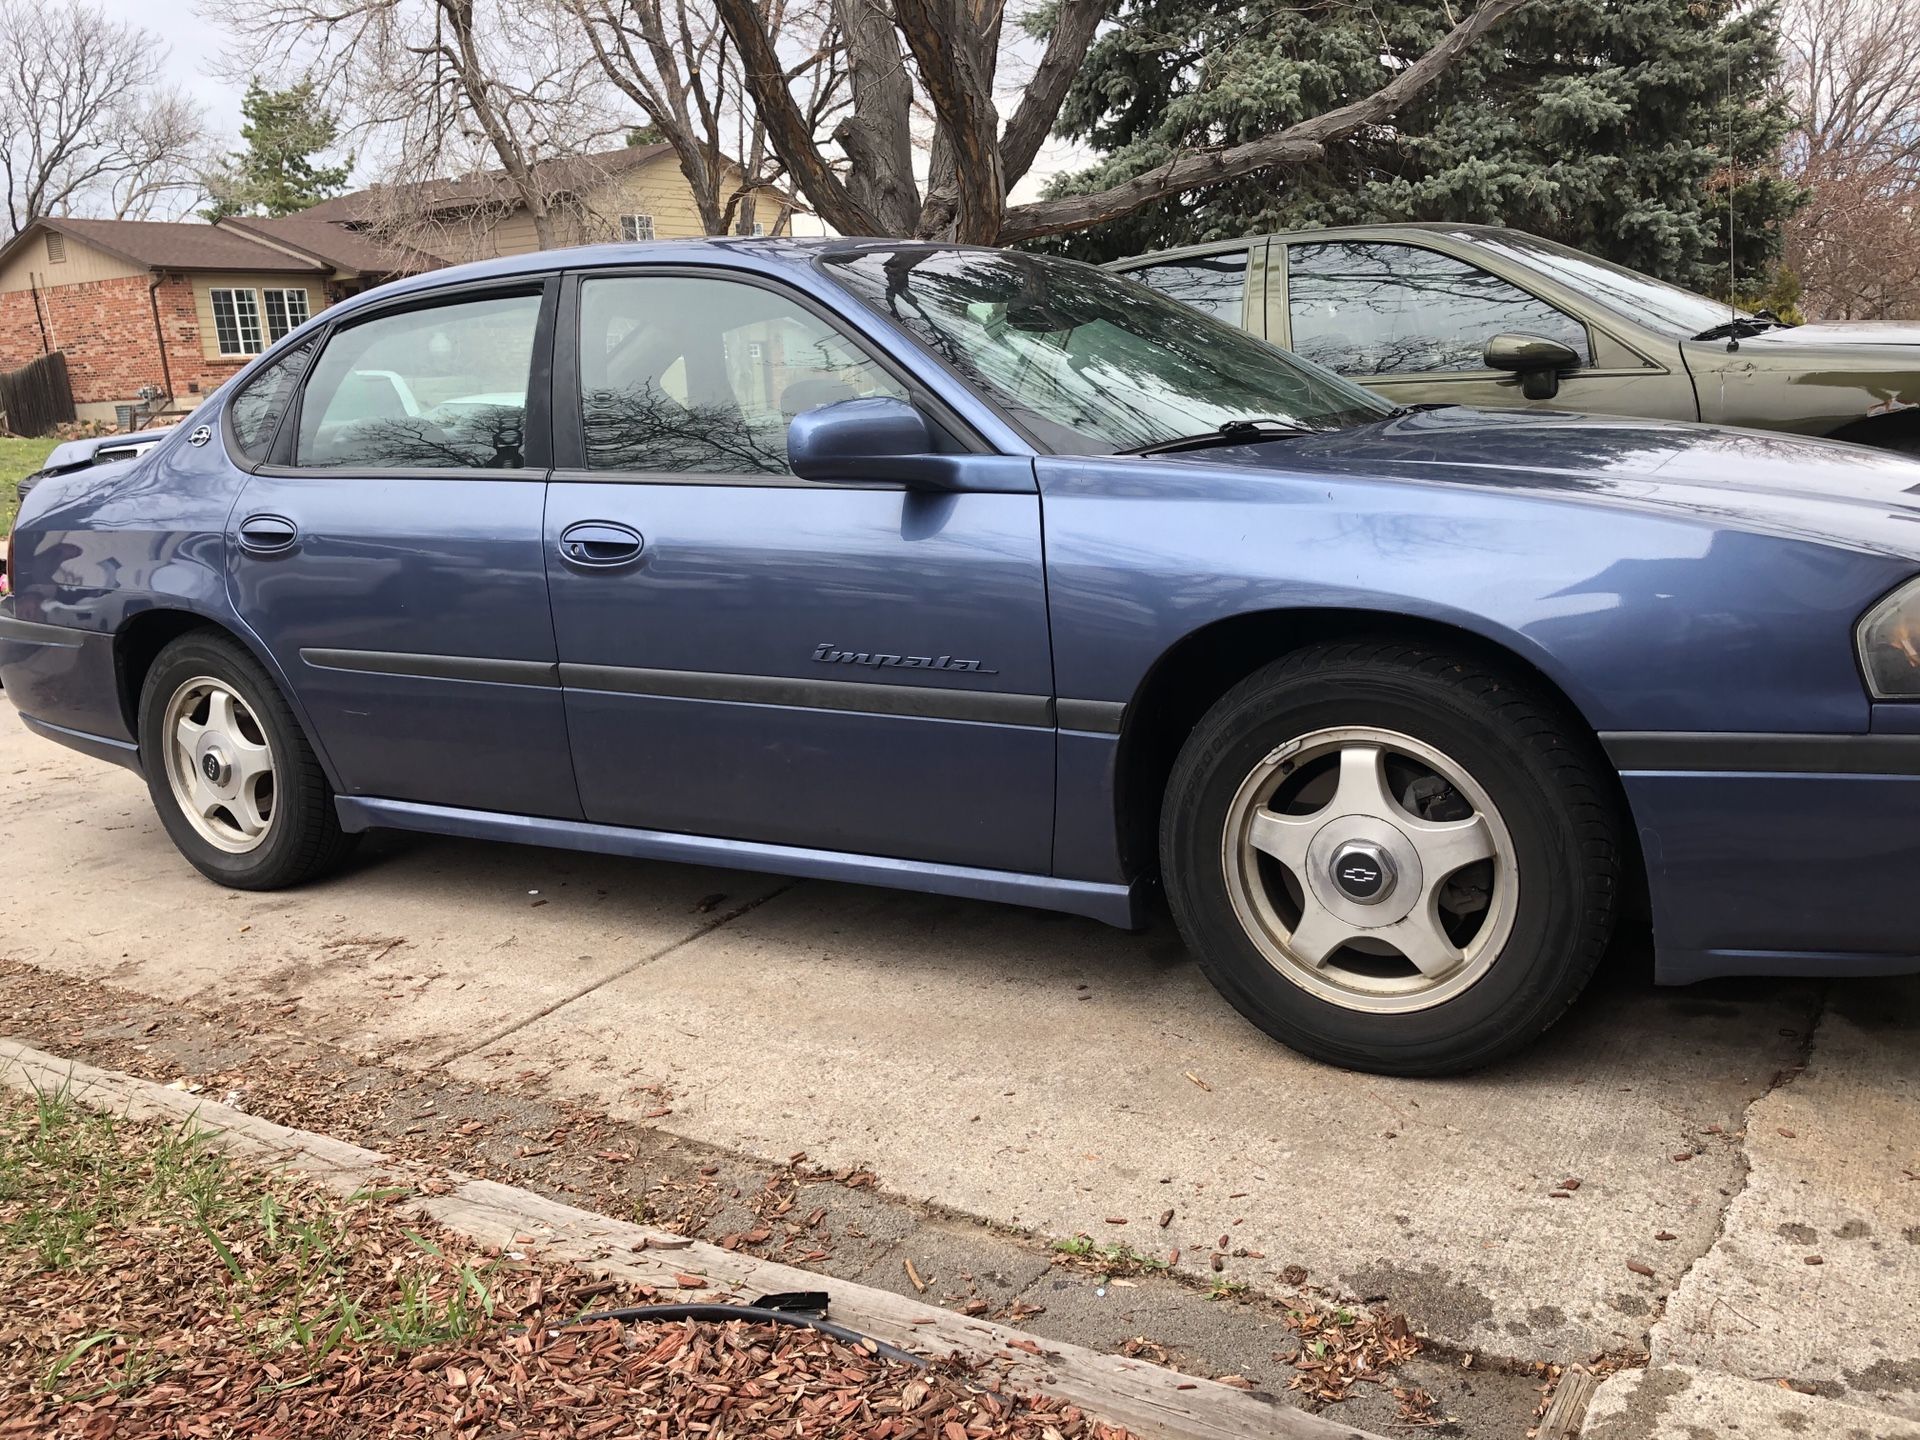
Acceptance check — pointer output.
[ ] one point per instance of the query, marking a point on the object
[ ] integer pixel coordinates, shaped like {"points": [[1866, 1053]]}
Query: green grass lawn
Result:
{"points": [[17, 458]]}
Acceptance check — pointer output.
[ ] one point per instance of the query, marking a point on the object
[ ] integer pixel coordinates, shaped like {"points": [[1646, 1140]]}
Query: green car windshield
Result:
{"points": [[1653, 303], [1090, 363]]}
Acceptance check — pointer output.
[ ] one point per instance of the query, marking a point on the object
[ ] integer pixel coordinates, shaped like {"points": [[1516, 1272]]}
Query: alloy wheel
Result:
{"points": [[219, 764], [1370, 869]]}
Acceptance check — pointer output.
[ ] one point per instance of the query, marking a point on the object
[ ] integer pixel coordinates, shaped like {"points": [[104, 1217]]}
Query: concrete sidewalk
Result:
{"points": [[1048, 1074]]}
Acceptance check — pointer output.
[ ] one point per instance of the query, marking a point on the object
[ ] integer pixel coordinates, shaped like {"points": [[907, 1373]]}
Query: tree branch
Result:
{"points": [[788, 131], [1297, 144], [1073, 29], [945, 45]]}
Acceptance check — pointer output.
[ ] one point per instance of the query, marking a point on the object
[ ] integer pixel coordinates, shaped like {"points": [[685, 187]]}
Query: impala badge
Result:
{"points": [[832, 655]]}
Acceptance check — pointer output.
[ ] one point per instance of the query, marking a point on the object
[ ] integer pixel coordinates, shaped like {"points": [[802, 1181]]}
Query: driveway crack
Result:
{"points": [[494, 1037], [1782, 1078]]}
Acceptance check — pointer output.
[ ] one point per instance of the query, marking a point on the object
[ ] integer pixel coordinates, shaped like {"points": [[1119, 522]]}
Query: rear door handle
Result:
{"points": [[268, 534], [600, 544]]}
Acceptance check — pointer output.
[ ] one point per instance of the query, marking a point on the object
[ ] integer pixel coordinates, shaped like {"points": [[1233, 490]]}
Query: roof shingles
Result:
{"points": [[181, 245]]}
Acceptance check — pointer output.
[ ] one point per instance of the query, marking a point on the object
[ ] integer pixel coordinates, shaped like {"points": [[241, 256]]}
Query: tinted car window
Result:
{"points": [[702, 376], [257, 408], [1216, 284], [439, 387], [1374, 309]]}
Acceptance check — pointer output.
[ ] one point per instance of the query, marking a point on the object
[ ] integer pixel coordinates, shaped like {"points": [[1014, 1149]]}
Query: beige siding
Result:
{"points": [[83, 263], [205, 285], [513, 235], [656, 188], [660, 190]]}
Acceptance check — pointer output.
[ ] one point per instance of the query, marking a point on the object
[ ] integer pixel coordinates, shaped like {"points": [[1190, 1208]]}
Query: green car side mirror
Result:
{"points": [[1537, 360]]}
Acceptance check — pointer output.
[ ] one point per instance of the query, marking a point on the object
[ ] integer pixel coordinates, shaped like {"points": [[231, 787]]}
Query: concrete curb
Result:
{"points": [[1678, 1402], [1148, 1399]]}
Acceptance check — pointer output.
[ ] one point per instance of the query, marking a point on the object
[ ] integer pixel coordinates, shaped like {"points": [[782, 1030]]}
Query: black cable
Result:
{"points": [[758, 1315]]}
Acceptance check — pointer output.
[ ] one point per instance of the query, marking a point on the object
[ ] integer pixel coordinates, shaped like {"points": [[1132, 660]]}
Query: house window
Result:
{"points": [[759, 227], [636, 227], [56, 248], [286, 310], [236, 322]]}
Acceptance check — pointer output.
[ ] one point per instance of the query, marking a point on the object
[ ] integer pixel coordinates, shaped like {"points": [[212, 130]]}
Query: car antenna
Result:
{"points": [[1733, 177]]}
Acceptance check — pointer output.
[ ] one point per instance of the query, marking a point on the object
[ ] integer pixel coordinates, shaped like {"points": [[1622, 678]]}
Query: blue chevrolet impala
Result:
{"points": [[999, 576]]}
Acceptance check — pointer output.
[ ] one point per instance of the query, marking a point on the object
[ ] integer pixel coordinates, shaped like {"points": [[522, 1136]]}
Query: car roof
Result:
{"points": [[1379, 230], [759, 252]]}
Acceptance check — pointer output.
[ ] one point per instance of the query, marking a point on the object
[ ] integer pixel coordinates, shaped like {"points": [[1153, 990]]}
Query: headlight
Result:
{"points": [[1889, 642]]}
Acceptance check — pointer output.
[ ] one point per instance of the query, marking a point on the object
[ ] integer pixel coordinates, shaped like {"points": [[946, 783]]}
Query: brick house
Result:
{"points": [[176, 306]]}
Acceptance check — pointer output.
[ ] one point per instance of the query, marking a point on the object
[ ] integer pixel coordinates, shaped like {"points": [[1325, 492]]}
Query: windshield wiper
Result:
{"points": [[1234, 432], [1754, 324]]}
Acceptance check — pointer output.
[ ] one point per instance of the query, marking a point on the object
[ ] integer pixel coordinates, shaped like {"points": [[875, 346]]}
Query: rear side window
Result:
{"points": [[1216, 284], [441, 387], [257, 408]]}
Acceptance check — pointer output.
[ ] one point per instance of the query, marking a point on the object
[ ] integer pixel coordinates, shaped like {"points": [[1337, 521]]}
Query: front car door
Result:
{"points": [[848, 667], [1411, 322], [389, 553]]}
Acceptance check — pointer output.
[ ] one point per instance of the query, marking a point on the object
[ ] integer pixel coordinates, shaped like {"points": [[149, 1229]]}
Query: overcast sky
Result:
{"points": [[192, 64], [197, 55]]}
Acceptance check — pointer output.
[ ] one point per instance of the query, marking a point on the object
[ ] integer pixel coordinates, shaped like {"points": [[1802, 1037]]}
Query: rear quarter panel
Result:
{"points": [[96, 548]]}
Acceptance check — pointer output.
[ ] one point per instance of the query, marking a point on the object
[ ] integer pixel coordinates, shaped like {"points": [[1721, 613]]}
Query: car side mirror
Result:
{"points": [[879, 438], [1537, 360]]}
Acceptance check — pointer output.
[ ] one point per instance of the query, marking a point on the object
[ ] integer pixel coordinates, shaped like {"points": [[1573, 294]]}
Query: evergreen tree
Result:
{"points": [[1605, 124], [276, 173]]}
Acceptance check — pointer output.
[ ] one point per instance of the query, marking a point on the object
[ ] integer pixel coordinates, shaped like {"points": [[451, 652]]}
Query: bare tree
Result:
{"points": [[949, 51], [458, 89], [85, 123], [1853, 67], [676, 63], [166, 146]]}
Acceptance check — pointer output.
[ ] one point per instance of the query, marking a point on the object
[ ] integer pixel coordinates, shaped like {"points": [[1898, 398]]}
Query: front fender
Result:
{"points": [[1645, 619]]}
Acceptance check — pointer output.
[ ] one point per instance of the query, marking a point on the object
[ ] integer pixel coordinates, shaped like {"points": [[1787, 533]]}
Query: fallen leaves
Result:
{"points": [[1640, 1267], [1343, 1346], [206, 1300]]}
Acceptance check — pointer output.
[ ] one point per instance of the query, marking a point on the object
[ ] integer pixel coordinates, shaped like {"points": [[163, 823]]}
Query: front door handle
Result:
{"points": [[600, 544], [268, 534]]}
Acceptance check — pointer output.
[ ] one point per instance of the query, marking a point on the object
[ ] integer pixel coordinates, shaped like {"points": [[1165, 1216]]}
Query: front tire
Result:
{"points": [[1390, 858], [235, 782]]}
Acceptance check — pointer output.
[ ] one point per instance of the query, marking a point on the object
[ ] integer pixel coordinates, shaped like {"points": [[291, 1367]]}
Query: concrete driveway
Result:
{"points": [[1747, 1156]]}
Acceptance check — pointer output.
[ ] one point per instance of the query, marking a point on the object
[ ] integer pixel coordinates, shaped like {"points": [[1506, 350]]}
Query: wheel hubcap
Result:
{"points": [[1364, 873], [219, 764], [1370, 869]]}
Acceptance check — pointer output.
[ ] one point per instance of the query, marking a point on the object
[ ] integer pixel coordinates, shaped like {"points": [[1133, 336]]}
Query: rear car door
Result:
{"points": [[1411, 323], [389, 553], [850, 667]]}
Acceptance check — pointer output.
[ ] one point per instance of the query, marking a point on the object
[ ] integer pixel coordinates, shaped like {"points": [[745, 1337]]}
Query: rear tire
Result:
{"points": [[235, 782], [1404, 941]]}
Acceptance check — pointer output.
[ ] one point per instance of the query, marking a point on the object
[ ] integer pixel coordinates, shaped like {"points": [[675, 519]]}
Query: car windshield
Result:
{"points": [[1090, 363], [1654, 303]]}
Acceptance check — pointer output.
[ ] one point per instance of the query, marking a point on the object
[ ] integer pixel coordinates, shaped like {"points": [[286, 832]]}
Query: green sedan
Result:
{"points": [[1482, 316]]}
